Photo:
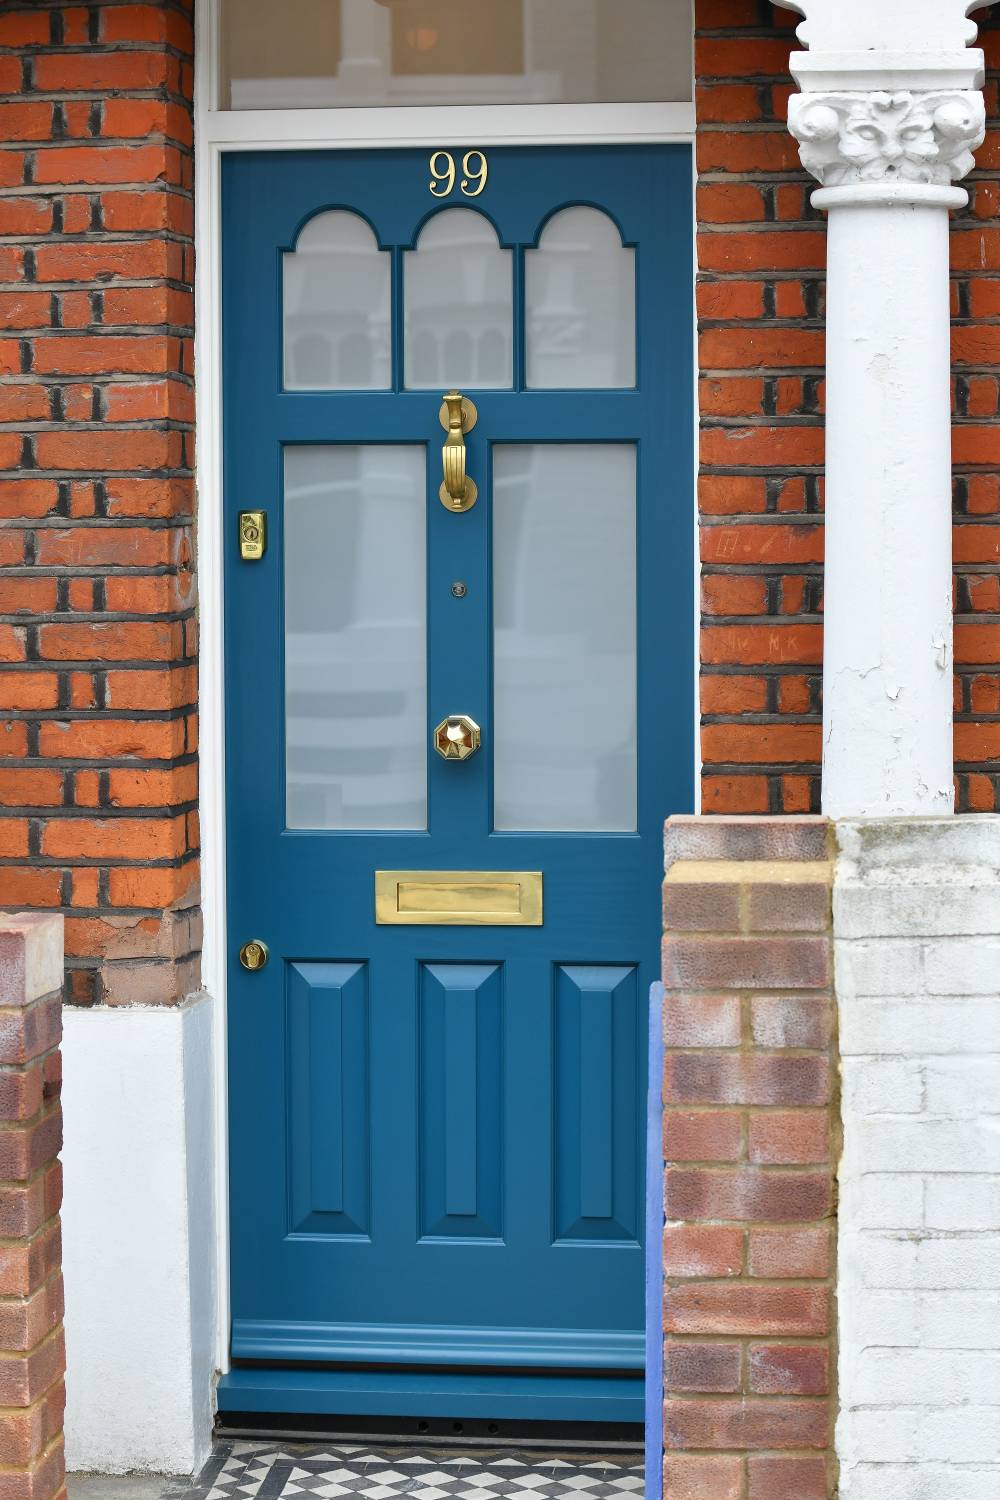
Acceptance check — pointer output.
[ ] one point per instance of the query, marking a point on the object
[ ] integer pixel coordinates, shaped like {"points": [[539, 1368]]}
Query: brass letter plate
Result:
{"points": [[458, 898]]}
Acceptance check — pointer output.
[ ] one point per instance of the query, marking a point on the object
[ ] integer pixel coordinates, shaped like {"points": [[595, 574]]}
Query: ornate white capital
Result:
{"points": [[878, 137]]}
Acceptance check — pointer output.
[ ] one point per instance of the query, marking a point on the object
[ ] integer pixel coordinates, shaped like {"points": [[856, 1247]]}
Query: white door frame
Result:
{"points": [[217, 131]]}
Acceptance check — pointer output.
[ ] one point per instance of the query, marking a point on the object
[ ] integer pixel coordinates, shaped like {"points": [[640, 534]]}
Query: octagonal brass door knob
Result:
{"points": [[457, 737]]}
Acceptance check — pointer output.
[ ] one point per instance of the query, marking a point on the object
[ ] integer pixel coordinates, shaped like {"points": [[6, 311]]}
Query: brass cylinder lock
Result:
{"points": [[253, 955]]}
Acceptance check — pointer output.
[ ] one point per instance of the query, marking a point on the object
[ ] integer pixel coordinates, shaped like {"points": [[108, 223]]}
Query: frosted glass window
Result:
{"points": [[337, 307], [317, 53], [579, 297], [355, 637], [458, 292], [564, 599]]}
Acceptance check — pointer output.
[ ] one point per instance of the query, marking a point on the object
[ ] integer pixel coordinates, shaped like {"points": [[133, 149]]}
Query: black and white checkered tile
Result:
{"points": [[262, 1471]]}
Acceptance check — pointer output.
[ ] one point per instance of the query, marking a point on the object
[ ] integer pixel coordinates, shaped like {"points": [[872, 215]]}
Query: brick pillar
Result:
{"points": [[750, 1135], [32, 1354], [98, 812], [761, 259]]}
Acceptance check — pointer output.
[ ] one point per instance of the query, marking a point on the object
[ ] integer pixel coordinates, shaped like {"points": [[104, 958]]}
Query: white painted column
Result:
{"points": [[887, 118], [887, 685]]}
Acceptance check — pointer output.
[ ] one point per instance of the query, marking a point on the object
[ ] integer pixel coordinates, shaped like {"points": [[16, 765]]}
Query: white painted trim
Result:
{"points": [[211, 702], [218, 131], [449, 124]]}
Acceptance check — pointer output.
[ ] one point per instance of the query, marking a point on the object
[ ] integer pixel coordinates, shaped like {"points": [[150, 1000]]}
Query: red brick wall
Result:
{"points": [[97, 633], [760, 304], [750, 1141], [976, 350], [32, 1349]]}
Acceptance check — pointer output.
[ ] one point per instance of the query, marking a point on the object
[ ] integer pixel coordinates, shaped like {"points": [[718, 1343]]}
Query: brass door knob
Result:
{"points": [[457, 737]]}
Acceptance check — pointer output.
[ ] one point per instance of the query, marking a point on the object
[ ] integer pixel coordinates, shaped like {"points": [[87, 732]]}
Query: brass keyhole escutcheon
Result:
{"points": [[254, 955], [457, 737], [253, 535]]}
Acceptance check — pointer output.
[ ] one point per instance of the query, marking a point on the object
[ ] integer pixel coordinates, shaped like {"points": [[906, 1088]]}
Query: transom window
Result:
{"points": [[319, 53]]}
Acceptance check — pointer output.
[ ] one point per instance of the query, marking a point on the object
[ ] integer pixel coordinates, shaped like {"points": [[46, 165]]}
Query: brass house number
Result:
{"points": [[444, 174]]}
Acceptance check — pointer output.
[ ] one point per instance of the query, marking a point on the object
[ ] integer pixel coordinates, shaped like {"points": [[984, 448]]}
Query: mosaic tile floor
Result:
{"points": [[273, 1471]]}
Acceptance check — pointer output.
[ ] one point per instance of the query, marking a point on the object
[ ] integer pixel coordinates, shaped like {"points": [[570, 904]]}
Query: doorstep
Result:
{"points": [[272, 1470]]}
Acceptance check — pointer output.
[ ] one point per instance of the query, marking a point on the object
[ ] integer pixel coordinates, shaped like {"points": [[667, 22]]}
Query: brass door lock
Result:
{"points": [[253, 535], [254, 955]]}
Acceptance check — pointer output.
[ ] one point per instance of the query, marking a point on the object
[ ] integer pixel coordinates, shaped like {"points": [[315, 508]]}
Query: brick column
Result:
{"points": [[749, 1141], [98, 811], [32, 1354], [761, 260]]}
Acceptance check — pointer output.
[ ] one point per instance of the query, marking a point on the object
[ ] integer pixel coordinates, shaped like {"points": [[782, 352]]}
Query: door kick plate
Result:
{"points": [[458, 898]]}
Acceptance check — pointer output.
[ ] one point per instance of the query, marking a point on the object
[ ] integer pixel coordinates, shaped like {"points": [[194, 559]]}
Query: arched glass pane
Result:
{"points": [[458, 294], [579, 297], [337, 307]]}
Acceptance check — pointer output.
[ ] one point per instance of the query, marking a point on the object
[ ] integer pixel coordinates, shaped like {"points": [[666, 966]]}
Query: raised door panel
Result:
{"points": [[328, 1099], [461, 1100], [597, 1102]]}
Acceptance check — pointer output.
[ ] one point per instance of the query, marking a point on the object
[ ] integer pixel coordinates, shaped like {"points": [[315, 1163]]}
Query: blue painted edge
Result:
{"points": [[433, 1394], [654, 1250]]}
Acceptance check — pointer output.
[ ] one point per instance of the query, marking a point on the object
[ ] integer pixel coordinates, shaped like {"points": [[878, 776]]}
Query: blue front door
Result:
{"points": [[454, 731]]}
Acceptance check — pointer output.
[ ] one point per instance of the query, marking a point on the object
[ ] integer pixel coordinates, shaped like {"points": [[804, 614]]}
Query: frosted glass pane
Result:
{"points": [[355, 637], [337, 307], [458, 293], [564, 605], [317, 53], [579, 293]]}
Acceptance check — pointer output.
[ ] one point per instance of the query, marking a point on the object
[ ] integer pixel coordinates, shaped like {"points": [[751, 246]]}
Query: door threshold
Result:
{"points": [[622, 1442], [455, 1404]]}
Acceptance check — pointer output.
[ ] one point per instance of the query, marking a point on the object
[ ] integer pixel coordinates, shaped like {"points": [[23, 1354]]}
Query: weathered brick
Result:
{"points": [[703, 1368], [791, 1021], [702, 1135], [686, 1477], [725, 1078], [702, 962], [746, 1423], [701, 1020], [788, 1478], [789, 1369], [791, 1137], [702, 1250]]}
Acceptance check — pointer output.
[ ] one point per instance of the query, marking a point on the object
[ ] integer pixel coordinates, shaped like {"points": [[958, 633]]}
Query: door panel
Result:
{"points": [[436, 1130], [461, 1100], [327, 1086]]}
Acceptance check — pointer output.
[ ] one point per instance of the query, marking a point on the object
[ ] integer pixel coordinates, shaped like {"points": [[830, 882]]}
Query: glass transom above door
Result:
{"points": [[323, 53], [557, 313]]}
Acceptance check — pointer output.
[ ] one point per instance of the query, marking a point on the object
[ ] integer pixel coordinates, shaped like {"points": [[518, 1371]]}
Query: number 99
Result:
{"points": [[444, 174], [474, 174], [442, 171]]}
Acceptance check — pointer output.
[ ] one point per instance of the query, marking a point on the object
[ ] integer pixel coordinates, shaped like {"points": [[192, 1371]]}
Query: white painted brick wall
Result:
{"points": [[917, 950]]}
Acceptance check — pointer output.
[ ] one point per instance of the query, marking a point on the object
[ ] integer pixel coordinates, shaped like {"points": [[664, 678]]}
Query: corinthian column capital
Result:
{"points": [[885, 137]]}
